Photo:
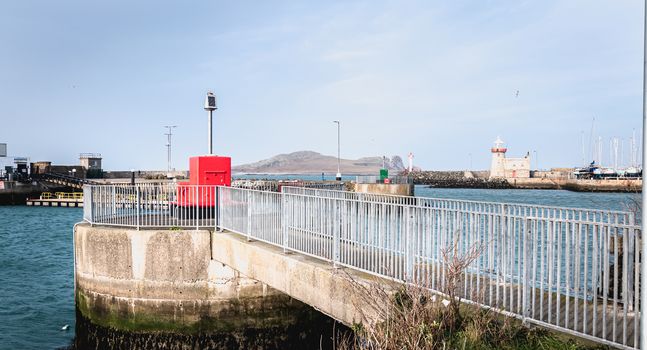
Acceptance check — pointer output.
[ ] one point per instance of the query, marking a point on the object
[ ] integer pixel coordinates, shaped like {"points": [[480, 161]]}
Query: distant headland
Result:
{"points": [[309, 162]]}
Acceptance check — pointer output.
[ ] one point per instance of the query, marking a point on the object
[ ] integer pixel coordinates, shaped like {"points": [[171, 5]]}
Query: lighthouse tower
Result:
{"points": [[497, 169]]}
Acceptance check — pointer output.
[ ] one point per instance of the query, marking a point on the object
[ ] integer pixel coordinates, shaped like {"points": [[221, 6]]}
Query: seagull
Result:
{"points": [[516, 94], [64, 328]]}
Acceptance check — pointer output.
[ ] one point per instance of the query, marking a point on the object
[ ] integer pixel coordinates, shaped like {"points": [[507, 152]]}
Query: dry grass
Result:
{"points": [[400, 316]]}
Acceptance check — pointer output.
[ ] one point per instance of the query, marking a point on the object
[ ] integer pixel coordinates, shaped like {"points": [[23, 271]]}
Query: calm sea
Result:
{"points": [[36, 277], [36, 263]]}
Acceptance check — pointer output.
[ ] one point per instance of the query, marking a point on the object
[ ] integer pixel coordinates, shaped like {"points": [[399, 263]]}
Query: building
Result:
{"points": [[508, 168], [42, 167], [90, 161]]}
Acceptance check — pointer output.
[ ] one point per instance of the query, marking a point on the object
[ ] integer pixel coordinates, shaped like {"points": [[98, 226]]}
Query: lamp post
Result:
{"points": [[168, 146], [132, 177], [338, 176], [643, 270], [210, 106]]}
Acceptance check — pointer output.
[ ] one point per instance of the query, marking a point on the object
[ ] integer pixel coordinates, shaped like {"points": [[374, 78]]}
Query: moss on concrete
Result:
{"points": [[233, 315], [277, 327]]}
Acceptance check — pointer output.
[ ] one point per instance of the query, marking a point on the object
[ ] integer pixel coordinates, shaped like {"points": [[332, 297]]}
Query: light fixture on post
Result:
{"points": [[210, 106], [338, 176]]}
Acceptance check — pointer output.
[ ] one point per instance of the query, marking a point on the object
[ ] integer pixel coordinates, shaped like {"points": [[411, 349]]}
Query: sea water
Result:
{"points": [[36, 259]]}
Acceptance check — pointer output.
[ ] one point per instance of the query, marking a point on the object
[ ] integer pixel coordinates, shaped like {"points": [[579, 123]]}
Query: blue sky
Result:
{"points": [[437, 78]]}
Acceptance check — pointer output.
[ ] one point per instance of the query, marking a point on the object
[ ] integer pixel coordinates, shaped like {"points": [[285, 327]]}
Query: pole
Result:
{"points": [[210, 106], [168, 146], [338, 177], [643, 208], [338, 148], [210, 133]]}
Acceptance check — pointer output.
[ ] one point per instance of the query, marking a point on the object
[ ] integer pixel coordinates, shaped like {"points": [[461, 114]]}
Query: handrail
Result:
{"points": [[570, 269]]}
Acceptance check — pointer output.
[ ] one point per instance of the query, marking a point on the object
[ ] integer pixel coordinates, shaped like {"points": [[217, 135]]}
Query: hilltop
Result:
{"points": [[309, 162]]}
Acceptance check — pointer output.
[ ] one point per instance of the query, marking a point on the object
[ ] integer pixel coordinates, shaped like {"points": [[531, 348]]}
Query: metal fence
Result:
{"points": [[277, 185], [574, 270]]}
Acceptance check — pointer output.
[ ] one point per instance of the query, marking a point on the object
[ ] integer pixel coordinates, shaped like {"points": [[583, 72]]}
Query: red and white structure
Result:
{"points": [[502, 167]]}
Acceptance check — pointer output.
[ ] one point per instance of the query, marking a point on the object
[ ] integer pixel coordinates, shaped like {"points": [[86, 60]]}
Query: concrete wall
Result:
{"points": [[394, 189], [517, 167], [557, 173], [166, 280], [603, 185], [334, 291]]}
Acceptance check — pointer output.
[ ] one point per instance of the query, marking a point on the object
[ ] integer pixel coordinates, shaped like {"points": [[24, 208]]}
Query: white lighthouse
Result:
{"points": [[503, 167], [497, 169]]}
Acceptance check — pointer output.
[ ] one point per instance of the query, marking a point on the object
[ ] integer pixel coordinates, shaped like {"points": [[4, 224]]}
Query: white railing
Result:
{"points": [[277, 185], [574, 270]]}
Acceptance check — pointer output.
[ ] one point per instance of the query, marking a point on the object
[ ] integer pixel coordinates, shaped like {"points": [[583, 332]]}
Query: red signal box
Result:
{"points": [[210, 170], [206, 172]]}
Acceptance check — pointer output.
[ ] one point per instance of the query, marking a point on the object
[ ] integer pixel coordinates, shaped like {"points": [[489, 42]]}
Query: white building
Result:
{"points": [[508, 168]]}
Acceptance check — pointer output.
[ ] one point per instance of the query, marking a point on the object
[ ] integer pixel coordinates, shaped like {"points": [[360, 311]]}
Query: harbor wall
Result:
{"points": [[131, 284], [604, 185], [16, 193], [392, 189]]}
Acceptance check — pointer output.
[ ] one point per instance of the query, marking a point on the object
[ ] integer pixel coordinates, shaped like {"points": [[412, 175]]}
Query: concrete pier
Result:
{"points": [[131, 284], [392, 189]]}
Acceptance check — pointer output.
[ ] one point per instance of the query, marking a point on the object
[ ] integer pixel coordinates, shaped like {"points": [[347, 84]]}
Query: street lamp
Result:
{"points": [[338, 176], [210, 106], [73, 172]]}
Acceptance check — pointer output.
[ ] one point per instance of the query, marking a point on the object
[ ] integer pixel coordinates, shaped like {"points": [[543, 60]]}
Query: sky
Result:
{"points": [[441, 79]]}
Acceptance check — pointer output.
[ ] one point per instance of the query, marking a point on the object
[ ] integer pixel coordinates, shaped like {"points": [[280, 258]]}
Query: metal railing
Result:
{"points": [[574, 270], [277, 185]]}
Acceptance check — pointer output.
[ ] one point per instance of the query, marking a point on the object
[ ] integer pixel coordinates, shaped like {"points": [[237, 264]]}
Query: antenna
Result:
{"points": [[168, 146]]}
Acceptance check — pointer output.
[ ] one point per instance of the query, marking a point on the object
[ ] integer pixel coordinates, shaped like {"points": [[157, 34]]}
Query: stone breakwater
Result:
{"points": [[480, 179], [457, 179]]}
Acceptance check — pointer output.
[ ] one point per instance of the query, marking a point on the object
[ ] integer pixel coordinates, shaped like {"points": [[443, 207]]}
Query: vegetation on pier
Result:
{"points": [[412, 316]]}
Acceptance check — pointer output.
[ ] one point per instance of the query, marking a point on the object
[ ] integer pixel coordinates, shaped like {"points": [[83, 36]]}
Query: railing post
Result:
{"points": [[196, 201], [217, 208], [88, 207], [249, 216], [114, 202], [336, 233], [409, 244], [527, 266], [138, 203], [284, 220], [501, 244], [630, 258]]}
